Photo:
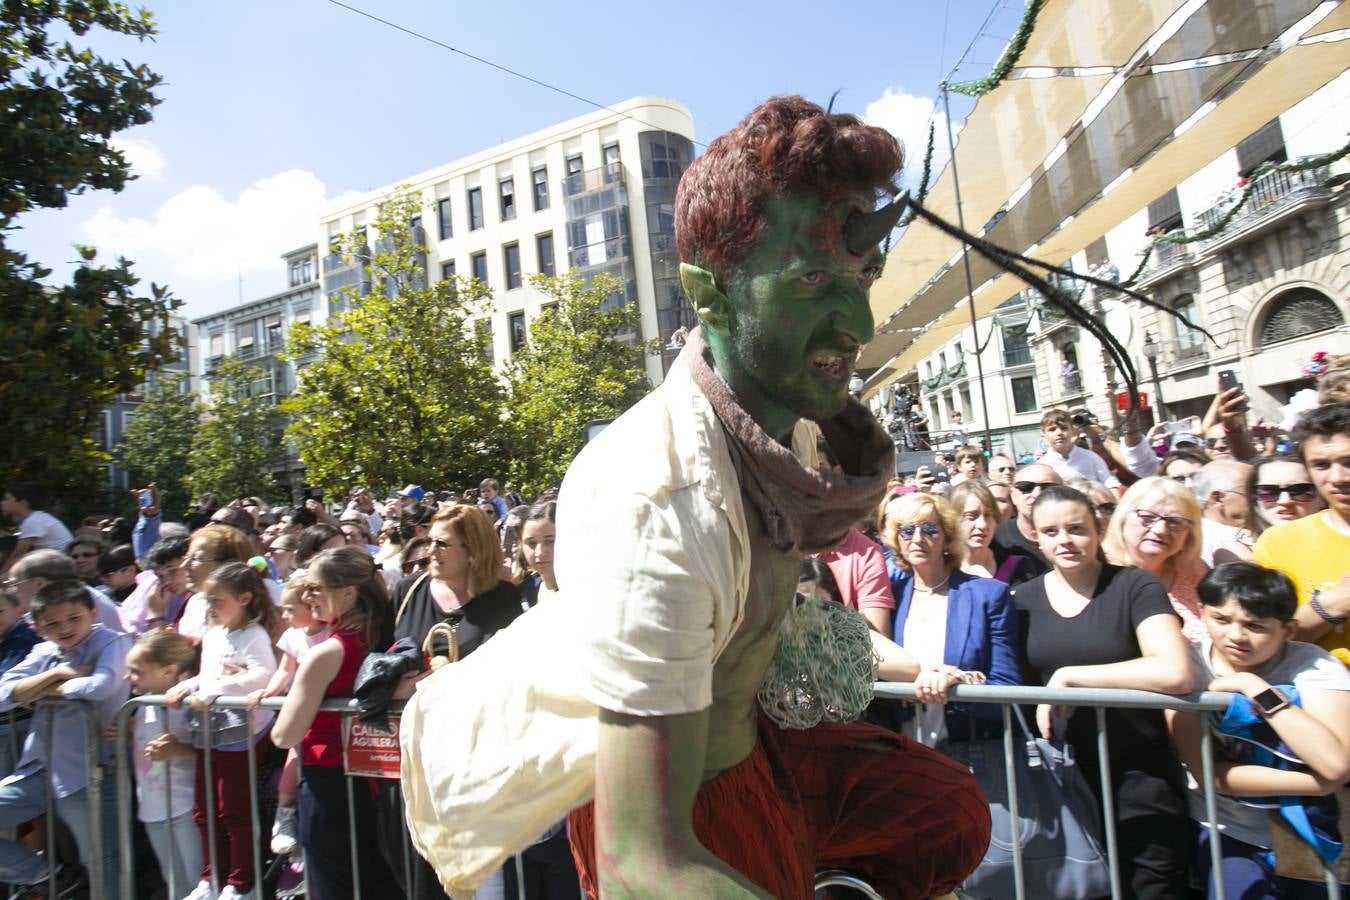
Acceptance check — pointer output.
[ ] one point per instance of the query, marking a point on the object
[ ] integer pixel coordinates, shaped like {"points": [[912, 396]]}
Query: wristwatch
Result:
{"points": [[1269, 702]]}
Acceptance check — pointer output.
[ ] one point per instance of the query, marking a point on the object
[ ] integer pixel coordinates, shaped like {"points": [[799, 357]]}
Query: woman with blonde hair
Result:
{"points": [[1156, 527], [961, 628], [210, 548]]}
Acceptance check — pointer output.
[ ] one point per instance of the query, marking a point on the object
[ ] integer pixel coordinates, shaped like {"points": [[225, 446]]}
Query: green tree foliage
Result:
{"points": [[401, 388], [66, 352], [239, 440], [577, 367], [155, 445]]}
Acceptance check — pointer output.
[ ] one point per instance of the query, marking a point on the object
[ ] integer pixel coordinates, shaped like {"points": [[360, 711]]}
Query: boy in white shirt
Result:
{"points": [[1298, 691], [38, 530]]}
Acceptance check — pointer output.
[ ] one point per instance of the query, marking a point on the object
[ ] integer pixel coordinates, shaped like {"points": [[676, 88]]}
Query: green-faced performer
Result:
{"points": [[673, 681]]}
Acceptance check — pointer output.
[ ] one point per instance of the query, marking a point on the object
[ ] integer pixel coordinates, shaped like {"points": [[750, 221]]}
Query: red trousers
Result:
{"points": [[233, 814], [910, 821]]}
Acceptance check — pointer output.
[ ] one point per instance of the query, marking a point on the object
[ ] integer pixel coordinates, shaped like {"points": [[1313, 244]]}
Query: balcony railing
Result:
{"points": [[598, 254], [1271, 192], [593, 179], [1017, 356], [1182, 351], [1165, 259], [1070, 385]]}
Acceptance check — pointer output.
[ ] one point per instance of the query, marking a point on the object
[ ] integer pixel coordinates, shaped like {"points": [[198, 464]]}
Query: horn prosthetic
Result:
{"points": [[863, 231]]}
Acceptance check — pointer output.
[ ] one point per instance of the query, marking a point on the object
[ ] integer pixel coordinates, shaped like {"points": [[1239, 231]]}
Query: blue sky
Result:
{"points": [[271, 110]]}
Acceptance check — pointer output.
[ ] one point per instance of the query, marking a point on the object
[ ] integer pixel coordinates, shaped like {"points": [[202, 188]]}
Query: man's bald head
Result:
{"points": [[1034, 474]]}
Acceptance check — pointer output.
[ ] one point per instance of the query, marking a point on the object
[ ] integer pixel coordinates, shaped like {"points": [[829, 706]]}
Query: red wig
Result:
{"points": [[787, 144]]}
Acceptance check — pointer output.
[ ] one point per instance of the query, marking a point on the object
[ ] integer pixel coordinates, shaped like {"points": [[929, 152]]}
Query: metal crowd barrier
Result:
{"points": [[93, 786], [1005, 696], [1100, 699]]}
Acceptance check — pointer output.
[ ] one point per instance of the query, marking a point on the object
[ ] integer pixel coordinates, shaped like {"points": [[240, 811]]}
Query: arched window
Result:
{"points": [[1299, 312]]}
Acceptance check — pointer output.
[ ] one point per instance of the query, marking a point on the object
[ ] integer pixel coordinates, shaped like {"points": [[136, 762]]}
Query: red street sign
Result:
{"points": [[1123, 400], [368, 751]]}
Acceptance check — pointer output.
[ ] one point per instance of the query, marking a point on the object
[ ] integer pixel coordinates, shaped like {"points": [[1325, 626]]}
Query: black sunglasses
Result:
{"points": [[1031, 487], [1303, 491], [411, 565], [927, 529]]}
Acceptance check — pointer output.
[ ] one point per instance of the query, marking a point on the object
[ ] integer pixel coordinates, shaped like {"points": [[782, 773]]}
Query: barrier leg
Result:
{"points": [[1108, 803], [210, 811], [1211, 806], [1010, 763], [51, 805], [351, 835], [125, 850], [255, 823], [93, 764]]}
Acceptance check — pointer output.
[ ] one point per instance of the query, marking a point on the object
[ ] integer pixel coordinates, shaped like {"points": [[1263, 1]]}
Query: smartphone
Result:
{"points": [[1227, 381], [146, 499], [1180, 427]]}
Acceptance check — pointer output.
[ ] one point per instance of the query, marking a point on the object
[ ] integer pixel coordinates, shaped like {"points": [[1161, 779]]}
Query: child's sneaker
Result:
{"points": [[285, 831], [230, 892], [292, 880]]}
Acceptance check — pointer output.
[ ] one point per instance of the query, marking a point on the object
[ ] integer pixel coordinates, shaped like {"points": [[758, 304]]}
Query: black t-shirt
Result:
{"points": [[1104, 632], [479, 619], [1009, 541]]}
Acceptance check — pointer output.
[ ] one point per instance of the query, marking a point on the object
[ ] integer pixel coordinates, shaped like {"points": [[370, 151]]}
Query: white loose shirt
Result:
{"points": [[653, 564], [1079, 463]]}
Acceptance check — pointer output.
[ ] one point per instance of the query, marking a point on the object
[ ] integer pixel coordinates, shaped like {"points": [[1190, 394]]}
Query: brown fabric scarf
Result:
{"points": [[804, 510]]}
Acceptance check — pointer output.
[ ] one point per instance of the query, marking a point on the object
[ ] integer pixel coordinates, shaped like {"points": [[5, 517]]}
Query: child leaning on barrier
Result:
{"points": [[78, 659], [305, 630], [237, 659], [1286, 734], [17, 640], [163, 758]]}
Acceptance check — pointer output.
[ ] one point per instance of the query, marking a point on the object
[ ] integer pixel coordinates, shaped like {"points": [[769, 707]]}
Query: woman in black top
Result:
{"points": [[1089, 624], [464, 588], [463, 585]]}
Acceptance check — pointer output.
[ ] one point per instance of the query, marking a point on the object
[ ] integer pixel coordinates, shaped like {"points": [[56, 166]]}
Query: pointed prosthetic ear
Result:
{"points": [[711, 305]]}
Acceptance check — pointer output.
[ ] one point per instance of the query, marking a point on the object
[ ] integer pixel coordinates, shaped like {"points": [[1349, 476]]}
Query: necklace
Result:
{"points": [[929, 590]]}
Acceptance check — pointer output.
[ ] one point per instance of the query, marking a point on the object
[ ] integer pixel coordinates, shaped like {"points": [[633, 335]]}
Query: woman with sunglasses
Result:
{"points": [[1282, 491], [1103, 500], [1087, 623], [462, 587], [1156, 526], [960, 628]]}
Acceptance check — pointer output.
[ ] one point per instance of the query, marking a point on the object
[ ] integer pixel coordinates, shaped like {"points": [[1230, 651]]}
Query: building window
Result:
{"points": [[576, 179], [1298, 313], [544, 246], [574, 165], [1261, 147], [511, 260], [447, 229], [611, 152], [540, 177], [1016, 347], [272, 333], [484, 327], [507, 188], [1190, 341], [1024, 394], [475, 208], [302, 316], [217, 345], [478, 265], [302, 271], [447, 270], [243, 339], [517, 326]]}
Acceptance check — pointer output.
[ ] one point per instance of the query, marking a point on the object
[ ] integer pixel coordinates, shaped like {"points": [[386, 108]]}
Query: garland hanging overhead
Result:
{"points": [[922, 192], [1007, 60], [1220, 224]]}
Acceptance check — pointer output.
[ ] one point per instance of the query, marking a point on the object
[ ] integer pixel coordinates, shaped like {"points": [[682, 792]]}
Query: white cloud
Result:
{"points": [[906, 116], [145, 158], [202, 244]]}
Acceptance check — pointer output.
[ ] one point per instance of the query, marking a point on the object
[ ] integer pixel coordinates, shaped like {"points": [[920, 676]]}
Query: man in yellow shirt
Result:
{"points": [[1315, 551]]}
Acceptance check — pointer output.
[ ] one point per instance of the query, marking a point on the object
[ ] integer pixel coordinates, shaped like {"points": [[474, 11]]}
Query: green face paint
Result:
{"points": [[797, 314]]}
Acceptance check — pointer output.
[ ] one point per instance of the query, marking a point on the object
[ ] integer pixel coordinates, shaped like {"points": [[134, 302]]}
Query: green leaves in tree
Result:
{"points": [[238, 446], [155, 445]]}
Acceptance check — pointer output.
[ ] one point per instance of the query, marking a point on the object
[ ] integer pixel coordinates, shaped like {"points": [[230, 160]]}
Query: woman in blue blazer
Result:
{"points": [[962, 629]]}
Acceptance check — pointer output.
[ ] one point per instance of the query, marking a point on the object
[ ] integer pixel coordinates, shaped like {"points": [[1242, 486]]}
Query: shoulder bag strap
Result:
{"points": [[398, 616]]}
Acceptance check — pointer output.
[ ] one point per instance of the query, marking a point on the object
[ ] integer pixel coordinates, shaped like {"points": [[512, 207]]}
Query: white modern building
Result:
{"points": [[595, 194]]}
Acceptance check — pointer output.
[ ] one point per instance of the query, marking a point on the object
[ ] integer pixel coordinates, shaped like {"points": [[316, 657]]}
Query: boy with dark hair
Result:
{"points": [[17, 639], [489, 492], [1315, 551], [38, 530], [1063, 454], [1293, 704], [79, 660], [117, 570]]}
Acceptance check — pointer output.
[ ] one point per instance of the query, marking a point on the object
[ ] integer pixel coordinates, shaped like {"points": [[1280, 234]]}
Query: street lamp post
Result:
{"points": [[1151, 354]]}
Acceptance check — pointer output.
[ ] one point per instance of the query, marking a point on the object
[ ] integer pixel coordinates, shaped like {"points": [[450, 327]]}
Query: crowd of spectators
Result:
{"points": [[244, 600], [1223, 563]]}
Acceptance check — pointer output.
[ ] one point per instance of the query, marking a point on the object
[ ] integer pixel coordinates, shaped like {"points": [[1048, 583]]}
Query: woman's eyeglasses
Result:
{"points": [[1301, 492], [927, 529], [413, 565], [1174, 524]]}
